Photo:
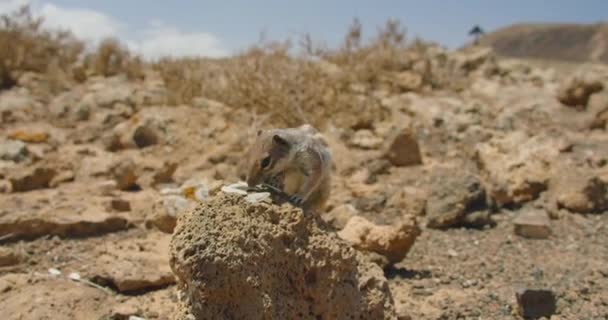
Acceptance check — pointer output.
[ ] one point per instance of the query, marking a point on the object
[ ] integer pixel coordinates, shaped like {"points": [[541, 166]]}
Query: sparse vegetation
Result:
{"points": [[25, 46], [316, 85]]}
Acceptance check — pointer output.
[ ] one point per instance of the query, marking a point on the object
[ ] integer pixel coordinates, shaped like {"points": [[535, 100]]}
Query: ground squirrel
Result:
{"points": [[294, 160]]}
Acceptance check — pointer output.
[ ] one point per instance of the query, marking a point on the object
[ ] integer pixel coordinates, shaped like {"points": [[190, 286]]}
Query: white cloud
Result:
{"points": [[162, 40], [85, 24], [8, 6], [155, 41]]}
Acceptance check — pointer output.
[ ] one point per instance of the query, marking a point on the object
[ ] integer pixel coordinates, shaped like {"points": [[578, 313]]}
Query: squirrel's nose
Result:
{"points": [[252, 180]]}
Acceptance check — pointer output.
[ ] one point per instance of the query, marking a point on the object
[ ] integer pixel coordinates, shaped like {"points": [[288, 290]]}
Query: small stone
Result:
{"points": [[365, 139], [5, 186], [152, 172], [124, 174], [119, 205], [74, 276], [535, 303], [532, 224], [31, 178], [144, 136], [452, 253], [12, 150], [54, 272], [61, 177], [107, 187], [402, 149], [29, 136], [8, 257]]}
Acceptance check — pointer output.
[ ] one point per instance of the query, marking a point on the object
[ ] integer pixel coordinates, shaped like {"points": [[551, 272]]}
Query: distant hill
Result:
{"points": [[570, 42]]}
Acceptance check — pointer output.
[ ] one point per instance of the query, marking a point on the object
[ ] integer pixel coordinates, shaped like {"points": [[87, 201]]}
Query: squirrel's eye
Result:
{"points": [[265, 162]]}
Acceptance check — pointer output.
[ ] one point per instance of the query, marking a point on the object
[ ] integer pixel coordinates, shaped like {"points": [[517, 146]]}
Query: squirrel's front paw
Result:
{"points": [[276, 181], [296, 200]]}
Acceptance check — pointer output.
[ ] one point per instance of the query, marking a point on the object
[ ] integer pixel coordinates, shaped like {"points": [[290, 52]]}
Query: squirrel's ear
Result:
{"points": [[280, 141]]}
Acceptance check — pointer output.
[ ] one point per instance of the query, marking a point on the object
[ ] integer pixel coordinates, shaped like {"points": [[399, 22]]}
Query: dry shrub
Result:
{"points": [[112, 58], [317, 86], [56, 55], [266, 79], [26, 47]]}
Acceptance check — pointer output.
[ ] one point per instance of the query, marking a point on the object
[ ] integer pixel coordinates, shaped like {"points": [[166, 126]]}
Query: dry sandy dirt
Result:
{"points": [[91, 182]]}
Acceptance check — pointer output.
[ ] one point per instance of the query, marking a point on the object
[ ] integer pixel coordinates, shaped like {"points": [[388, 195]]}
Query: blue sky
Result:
{"points": [[217, 28]]}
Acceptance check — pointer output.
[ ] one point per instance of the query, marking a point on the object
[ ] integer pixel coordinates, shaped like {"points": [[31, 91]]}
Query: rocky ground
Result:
{"points": [[466, 196]]}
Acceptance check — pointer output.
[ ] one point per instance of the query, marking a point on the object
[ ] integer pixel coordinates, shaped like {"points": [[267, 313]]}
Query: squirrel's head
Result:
{"points": [[268, 157]]}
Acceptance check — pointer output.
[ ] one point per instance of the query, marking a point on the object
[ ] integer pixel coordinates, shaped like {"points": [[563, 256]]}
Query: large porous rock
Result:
{"points": [[575, 91], [239, 260], [457, 198], [516, 167]]}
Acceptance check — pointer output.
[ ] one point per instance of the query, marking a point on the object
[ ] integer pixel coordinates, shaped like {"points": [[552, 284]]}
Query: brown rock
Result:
{"points": [[31, 178], [576, 90], [535, 303], [123, 172], [534, 224], [8, 257], [340, 215], [408, 200], [118, 204], [15, 151], [29, 136], [166, 210], [54, 298], [19, 106], [249, 250], [598, 107], [5, 186], [138, 132], [516, 168], [151, 172], [392, 241], [454, 196], [65, 221], [61, 177], [134, 264], [365, 139], [582, 191], [402, 149]]}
